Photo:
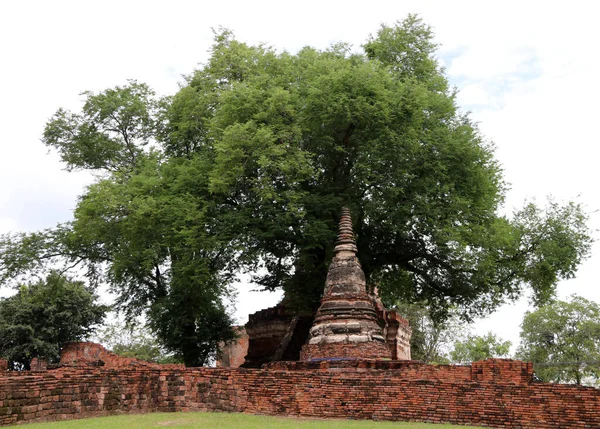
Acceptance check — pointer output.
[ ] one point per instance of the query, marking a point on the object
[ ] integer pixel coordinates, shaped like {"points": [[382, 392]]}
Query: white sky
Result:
{"points": [[526, 70]]}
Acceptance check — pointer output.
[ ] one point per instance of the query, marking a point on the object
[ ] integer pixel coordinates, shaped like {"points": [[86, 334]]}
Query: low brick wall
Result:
{"points": [[496, 393]]}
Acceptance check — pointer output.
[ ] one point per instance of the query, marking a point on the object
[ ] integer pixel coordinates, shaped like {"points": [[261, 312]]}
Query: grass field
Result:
{"points": [[227, 421]]}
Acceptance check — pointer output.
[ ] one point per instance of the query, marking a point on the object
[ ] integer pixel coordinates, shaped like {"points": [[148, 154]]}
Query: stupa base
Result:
{"points": [[369, 350]]}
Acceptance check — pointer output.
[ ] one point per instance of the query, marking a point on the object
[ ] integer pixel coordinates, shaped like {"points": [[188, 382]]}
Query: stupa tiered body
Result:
{"points": [[346, 324]]}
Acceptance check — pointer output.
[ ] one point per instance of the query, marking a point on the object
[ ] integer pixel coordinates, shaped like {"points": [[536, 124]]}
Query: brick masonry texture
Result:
{"points": [[367, 350], [93, 354], [347, 322], [232, 354], [496, 393]]}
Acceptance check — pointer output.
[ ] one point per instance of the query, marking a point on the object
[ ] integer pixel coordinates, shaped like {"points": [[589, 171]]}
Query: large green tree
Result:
{"points": [[247, 166], [563, 340], [42, 316]]}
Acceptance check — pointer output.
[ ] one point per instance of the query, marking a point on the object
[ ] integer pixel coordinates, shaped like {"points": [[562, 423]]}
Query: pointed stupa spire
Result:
{"points": [[345, 240], [346, 323]]}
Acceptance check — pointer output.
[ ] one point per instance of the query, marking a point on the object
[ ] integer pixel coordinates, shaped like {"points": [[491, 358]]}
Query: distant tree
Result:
{"points": [[479, 347], [133, 340], [431, 339], [563, 338], [43, 316]]}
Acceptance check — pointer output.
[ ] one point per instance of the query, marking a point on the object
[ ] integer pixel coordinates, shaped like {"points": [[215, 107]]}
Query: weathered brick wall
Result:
{"points": [[370, 350], [397, 333], [497, 393], [266, 329], [79, 354], [233, 353], [38, 364], [410, 370], [502, 370]]}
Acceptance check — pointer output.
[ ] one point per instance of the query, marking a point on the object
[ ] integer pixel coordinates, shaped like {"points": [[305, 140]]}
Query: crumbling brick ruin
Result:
{"points": [[349, 323], [78, 355], [274, 334], [354, 365], [346, 324], [233, 354]]}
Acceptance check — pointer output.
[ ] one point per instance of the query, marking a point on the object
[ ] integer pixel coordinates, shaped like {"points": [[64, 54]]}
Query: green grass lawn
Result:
{"points": [[227, 421]]}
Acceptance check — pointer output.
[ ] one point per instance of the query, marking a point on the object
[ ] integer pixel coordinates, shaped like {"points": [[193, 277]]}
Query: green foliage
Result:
{"points": [[563, 338], [23, 254], [247, 167], [134, 341], [191, 321], [476, 347], [43, 316], [110, 132], [555, 241], [408, 50], [158, 255], [431, 340]]}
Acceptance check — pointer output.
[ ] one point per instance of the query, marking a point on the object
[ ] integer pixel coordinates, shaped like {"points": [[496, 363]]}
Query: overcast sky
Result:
{"points": [[526, 70]]}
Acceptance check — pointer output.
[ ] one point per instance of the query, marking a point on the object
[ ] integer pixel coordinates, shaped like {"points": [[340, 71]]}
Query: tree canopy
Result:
{"points": [[247, 167], [563, 340], [43, 316]]}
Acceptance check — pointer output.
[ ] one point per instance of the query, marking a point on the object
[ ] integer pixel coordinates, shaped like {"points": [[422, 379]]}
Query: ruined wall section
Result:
{"points": [[275, 333], [88, 354], [397, 335], [496, 393], [233, 353], [266, 330]]}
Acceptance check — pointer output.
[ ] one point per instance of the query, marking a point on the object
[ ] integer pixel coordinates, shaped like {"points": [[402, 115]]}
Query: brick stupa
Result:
{"points": [[345, 326]]}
